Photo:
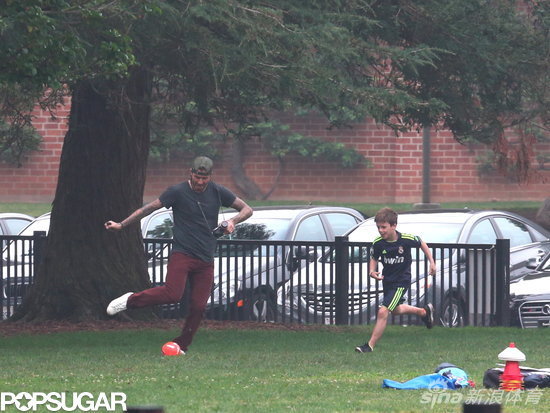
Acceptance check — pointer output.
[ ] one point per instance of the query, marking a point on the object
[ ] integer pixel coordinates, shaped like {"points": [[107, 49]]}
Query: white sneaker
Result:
{"points": [[118, 304]]}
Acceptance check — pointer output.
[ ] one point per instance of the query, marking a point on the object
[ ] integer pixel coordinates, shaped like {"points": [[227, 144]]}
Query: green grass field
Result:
{"points": [[271, 370]]}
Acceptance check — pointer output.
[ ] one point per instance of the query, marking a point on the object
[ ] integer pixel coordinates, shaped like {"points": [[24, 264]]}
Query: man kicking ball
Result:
{"points": [[394, 250], [195, 204]]}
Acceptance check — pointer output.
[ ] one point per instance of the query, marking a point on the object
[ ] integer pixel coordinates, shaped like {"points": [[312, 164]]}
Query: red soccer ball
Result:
{"points": [[171, 349]]}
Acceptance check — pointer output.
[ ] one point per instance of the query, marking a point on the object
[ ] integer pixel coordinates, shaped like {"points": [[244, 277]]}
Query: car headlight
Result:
{"points": [[290, 292]]}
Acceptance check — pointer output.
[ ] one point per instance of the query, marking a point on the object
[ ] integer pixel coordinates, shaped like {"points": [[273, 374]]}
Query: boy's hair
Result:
{"points": [[386, 215]]}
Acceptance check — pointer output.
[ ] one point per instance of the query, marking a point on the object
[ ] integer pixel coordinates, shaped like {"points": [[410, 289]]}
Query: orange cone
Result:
{"points": [[511, 379]]}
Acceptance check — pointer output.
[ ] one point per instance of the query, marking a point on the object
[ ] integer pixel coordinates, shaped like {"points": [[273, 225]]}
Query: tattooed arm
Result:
{"points": [[134, 216]]}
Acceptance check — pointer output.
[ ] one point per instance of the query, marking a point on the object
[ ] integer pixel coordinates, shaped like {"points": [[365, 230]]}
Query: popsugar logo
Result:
{"points": [[65, 402]]}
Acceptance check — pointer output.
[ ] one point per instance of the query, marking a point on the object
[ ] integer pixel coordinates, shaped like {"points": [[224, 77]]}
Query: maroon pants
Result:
{"points": [[181, 267]]}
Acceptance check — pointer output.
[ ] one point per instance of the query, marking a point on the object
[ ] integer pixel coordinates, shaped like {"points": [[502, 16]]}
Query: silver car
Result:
{"points": [[306, 302], [11, 223], [261, 258]]}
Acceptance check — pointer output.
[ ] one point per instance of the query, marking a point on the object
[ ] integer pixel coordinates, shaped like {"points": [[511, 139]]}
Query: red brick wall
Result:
{"points": [[396, 174], [36, 179]]}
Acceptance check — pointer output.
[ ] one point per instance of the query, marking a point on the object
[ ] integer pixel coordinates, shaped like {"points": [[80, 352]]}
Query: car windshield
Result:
{"points": [[38, 225], [272, 229], [160, 227], [15, 226], [430, 232]]}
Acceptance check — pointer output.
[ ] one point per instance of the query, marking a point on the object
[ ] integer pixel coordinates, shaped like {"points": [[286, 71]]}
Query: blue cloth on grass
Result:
{"points": [[447, 376], [428, 381]]}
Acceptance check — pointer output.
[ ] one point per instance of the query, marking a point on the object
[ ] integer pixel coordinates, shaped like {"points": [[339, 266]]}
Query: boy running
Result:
{"points": [[394, 250]]}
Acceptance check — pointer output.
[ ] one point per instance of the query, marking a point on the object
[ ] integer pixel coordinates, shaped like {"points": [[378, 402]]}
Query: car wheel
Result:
{"points": [[261, 307], [452, 313]]}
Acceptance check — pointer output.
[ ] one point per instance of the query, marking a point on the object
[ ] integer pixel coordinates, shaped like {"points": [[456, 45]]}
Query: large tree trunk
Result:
{"points": [[101, 177]]}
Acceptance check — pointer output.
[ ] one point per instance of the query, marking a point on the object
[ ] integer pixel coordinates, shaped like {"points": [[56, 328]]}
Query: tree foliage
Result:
{"points": [[494, 72], [17, 134], [465, 65], [475, 67]]}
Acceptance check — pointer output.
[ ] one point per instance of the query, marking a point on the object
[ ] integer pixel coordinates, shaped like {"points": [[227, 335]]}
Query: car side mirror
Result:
{"points": [[301, 253], [532, 263]]}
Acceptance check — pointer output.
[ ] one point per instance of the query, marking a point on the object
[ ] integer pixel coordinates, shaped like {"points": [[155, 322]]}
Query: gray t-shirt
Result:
{"points": [[195, 216]]}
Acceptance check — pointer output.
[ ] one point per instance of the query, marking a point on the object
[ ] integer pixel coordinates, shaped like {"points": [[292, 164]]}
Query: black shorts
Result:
{"points": [[393, 296]]}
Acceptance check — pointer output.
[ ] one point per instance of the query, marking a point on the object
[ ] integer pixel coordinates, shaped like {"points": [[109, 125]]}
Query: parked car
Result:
{"points": [[11, 223], [530, 297], [247, 282], [528, 241]]}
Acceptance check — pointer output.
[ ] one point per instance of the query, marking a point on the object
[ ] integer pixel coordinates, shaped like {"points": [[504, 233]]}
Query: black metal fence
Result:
{"points": [[17, 268], [471, 286], [311, 282]]}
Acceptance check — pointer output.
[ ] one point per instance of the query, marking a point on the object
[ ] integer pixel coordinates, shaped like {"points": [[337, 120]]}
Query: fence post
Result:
{"points": [[341, 287], [502, 272], [39, 239]]}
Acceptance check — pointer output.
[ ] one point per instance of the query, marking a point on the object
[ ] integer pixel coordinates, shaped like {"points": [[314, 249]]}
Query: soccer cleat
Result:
{"points": [[429, 317], [118, 304], [365, 348]]}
